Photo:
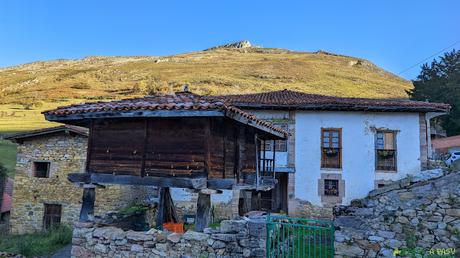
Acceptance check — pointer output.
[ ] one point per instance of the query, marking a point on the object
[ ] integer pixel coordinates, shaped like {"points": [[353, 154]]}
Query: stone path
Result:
{"points": [[63, 252]]}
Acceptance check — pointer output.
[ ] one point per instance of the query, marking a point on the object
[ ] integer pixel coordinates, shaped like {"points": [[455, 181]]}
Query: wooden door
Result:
{"points": [[52, 216]]}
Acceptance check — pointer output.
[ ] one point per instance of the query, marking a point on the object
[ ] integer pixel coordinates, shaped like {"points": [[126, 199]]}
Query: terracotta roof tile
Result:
{"points": [[177, 101], [299, 100], [50, 130]]}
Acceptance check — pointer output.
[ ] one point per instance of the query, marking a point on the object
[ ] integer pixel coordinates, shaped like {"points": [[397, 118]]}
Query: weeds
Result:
{"points": [[37, 244]]}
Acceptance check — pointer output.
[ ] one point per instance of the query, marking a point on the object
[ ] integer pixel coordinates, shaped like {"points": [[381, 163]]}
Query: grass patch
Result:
{"points": [[37, 244], [8, 156]]}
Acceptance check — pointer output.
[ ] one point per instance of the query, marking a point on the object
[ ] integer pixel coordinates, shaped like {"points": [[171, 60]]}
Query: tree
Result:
{"points": [[440, 82]]}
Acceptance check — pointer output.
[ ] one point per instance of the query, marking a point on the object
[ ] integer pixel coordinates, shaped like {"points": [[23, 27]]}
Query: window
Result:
{"points": [[380, 185], [41, 169], [385, 150], [280, 145], [52, 216], [331, 187], [331, 148]]}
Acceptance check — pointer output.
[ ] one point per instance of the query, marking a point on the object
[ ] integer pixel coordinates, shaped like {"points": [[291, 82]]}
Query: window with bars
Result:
{"points": [[331, 148], [331, 187], [52, 216], [385, 150]]}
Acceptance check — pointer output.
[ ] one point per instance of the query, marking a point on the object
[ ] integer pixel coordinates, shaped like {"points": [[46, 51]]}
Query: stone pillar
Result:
{"points": [[87, 206], [291, 164], [203, 212]]}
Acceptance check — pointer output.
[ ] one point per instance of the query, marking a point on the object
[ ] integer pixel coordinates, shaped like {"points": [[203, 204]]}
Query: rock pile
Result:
{"points": [[237, 45], [234, 238], [418, 214]]}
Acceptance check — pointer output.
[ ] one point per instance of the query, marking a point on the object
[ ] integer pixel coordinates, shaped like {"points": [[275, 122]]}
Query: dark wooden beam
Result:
{"points": [[181, 182], [246, 121], [87, 206], [90, 145], [203, 212], [207, 151], [226, 184], [144, 152], [224, 148]]}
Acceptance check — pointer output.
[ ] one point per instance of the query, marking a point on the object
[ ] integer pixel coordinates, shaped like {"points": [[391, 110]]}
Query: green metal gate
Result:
{"points": [[299, 238]]}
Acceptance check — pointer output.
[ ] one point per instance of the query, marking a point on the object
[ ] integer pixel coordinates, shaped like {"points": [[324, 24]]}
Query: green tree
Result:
{"points": [[440, 82]]}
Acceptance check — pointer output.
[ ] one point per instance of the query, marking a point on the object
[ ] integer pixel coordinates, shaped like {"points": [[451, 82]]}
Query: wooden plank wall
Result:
{"points": [[173, 147], [117, 147]]}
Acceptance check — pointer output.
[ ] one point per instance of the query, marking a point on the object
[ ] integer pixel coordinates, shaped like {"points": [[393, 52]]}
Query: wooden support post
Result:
{"points": [[161, 210], [203, 212], [87, 206], [166, 208]]}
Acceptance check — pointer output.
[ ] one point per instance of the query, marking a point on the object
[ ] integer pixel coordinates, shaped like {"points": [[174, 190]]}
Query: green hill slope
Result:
{"points": [[28, 89]]}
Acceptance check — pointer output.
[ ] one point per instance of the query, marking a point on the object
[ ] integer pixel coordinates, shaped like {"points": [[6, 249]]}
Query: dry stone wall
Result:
{"points": [[234, 238], [419, 214]]}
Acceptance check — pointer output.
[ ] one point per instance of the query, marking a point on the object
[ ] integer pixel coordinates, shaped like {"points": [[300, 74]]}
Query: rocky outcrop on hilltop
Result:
{"points": [[237, 45]]}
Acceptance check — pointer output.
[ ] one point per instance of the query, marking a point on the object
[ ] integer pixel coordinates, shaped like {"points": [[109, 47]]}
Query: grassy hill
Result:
{"points": [[28, 89]]}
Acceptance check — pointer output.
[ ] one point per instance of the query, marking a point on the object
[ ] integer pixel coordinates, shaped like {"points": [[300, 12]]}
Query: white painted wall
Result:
{"points": [[358, 154]]}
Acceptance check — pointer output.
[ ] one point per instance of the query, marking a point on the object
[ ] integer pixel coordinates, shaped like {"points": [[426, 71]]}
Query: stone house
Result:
{"points": [[42, 194], [340, 148]]}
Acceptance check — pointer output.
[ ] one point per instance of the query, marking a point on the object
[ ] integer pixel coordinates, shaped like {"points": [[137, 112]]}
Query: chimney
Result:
{"points": [[185, 88]]}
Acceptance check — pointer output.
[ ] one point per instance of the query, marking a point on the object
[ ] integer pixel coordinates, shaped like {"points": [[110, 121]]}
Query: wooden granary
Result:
{"points": [[176, 140]]}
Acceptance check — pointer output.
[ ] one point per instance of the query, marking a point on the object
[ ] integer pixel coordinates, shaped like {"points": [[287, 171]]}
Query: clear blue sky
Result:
{"points": [[394, 34]]}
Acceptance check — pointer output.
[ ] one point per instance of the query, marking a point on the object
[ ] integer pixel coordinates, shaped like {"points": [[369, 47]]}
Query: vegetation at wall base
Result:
{"points": [[37, 244]]}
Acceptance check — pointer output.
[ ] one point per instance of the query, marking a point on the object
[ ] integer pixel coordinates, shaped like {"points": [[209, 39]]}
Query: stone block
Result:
{"points": [[232, 226], [224, 237], [138, 236], [195, 236]]}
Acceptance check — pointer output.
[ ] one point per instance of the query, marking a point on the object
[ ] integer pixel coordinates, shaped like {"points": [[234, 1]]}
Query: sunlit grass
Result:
{"points": [[37, 244]]}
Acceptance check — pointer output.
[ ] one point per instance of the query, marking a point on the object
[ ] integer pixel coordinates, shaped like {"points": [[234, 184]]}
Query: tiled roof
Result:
{"points": [[181, 101], [447, 142], [46, 131], [299, 100]]}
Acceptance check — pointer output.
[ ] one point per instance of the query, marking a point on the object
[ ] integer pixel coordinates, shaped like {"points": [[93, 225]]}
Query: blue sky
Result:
{"points": [[394, 34]]}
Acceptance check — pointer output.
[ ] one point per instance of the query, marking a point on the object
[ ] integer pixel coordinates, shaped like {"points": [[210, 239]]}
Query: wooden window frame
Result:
{"points": [[326, 193], [330, 130], [394, 150], [34, 169], [51, 220]]}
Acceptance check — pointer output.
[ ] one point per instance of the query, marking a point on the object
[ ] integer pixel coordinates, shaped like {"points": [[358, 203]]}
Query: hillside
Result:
{"points": [[27, 89]]}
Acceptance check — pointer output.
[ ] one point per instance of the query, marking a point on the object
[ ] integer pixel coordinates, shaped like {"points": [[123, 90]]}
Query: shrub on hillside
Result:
{"points": [[81, 86]]}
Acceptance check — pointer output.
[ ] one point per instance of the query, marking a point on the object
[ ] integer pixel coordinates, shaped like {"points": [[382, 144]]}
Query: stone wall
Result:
{"points": [[66, 154], [234, 238], [419, 214]]}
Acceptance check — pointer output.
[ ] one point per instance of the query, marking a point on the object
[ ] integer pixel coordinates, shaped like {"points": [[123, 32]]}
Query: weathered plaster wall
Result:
{"points": [[358, 154], [66, 154], [234, 238]]}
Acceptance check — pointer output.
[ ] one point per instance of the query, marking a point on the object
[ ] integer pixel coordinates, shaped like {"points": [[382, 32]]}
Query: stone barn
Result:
{"points": [[42, 195]]}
